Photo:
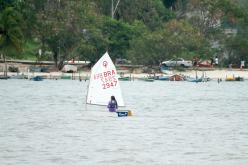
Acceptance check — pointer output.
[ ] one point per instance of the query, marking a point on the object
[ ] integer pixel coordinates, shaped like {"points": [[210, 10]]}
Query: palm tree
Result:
{"points": [[11, 35]]}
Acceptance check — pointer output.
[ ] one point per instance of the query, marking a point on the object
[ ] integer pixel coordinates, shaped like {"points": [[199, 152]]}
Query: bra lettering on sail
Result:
{"points": [[104, 74]]}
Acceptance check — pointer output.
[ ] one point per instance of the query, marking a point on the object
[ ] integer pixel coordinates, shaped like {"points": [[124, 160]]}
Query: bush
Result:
{"points": [[13, 69]]}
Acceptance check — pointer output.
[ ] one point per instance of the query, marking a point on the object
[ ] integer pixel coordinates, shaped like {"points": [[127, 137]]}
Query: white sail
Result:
{"points": [[104, 83]]}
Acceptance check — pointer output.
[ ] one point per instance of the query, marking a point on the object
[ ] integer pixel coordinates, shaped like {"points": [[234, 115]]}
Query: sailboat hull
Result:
{"points": [[124, 113]]}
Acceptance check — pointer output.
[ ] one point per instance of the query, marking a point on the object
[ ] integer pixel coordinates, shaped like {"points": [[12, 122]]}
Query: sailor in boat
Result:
{"points": [[112, 105]]}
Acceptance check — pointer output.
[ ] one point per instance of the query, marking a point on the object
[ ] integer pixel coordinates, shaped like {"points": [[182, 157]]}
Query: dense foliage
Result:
{"points": [[143, 31]]}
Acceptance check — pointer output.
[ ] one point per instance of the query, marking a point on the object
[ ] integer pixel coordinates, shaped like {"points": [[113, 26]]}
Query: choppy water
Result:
{"points": [[174, 123]]}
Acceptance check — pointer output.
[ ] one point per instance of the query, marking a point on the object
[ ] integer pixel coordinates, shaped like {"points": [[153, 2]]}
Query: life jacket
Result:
{"points": [[112, 104]]}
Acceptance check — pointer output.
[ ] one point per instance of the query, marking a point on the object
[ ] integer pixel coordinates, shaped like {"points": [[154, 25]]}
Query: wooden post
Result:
{"points": [[5, 73]]}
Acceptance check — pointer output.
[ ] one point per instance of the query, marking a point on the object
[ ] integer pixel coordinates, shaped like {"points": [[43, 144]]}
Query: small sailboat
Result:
{"points": [[104, 83]]}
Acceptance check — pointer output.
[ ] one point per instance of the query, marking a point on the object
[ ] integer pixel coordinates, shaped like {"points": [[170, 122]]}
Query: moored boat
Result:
{"points": [[164, 78], [37, 78], [124, 78], [4, 77], [233, 78], [176, 77], [148, 79]]}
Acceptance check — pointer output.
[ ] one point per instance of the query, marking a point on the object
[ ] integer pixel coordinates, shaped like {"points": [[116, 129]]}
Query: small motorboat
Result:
{"points": [[233, 78], [148, 79], [4, 77], [127, 78], [177, 77], [164, 78], [37, 78]]}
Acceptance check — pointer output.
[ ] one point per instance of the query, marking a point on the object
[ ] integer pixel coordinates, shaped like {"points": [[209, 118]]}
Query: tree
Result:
{"points": [[178, 6], [109, 35], [11, 32], [6, 3], [93, 44], [119, 34], [60, 25], [236, 46], [176, 39], [151, 12]]}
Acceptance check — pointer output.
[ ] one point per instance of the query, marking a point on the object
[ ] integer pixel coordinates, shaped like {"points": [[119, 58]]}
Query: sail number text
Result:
{"points": [[107, 78], [109, 84]]}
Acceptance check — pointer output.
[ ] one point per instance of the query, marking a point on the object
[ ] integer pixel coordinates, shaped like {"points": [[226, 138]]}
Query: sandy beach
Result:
{"points": [[219, 73], [213, 74]]}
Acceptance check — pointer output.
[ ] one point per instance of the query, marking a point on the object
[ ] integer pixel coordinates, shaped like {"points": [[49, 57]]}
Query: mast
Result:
{"points": [[5, 67]]}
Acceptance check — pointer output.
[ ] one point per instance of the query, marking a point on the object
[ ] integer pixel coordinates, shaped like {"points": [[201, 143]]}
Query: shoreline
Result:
{"points": [[212, 74], [219, 73]]}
